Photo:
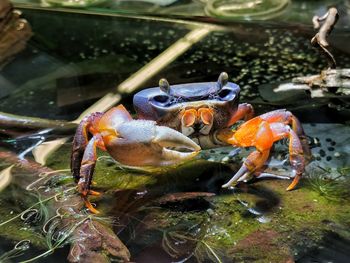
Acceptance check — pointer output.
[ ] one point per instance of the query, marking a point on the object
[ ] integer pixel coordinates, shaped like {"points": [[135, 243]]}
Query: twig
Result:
{"points": [[320, 39], [8, 120]]}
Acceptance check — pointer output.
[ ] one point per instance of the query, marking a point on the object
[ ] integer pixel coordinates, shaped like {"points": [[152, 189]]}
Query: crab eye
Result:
{"points": [[226, 94], [161, 99]]}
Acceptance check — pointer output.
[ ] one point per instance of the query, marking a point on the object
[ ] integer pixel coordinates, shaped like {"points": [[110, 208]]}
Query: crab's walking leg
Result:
{"points": [[286, 117], [298, 144], [255, 160], [245, 111], [262, 132], [87, 166], [296, 157], [87, 170], [298, 129], [80, 142]]}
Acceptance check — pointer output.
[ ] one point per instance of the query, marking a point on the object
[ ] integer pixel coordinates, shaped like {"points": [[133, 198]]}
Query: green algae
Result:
{"points": [[230, 222], [245, 222], [333, 184], [17, 229], [297, 223]]}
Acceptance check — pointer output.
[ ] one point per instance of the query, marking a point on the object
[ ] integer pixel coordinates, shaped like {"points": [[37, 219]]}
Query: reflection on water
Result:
{"points": [[172, 214], [59, 76], [212, 10], [256, 9]]}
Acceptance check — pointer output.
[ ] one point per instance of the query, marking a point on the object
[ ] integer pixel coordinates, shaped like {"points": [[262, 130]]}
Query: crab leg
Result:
{"points": [[296, 158], [87, 166], [80, 142], [245, 111], [286, 117], [255, 160], [262, 132], [298, 129], [87, 170]]}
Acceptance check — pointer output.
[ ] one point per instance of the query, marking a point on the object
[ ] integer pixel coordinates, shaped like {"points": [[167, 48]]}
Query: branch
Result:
{"points": [[320, 39]]}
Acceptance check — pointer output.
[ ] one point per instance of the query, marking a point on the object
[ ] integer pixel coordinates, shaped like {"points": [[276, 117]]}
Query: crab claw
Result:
{"points": [[143, 143]]}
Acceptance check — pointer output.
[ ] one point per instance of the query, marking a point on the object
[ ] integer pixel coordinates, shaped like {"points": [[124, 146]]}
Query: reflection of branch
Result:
{"points": [[320, 39], [12, 121]]}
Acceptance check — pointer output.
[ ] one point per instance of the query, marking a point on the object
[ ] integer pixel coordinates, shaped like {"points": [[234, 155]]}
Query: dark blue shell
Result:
{"points": [[194, 91], [153, 103]]}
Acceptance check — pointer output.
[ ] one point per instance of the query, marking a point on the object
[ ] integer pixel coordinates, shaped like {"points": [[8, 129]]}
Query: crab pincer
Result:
{"points": [[130, 142]]}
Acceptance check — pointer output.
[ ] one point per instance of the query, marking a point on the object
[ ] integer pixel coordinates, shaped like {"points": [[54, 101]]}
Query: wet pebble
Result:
{"points": [[225, 159], [264, 219], [322, 153], [210, 212]]}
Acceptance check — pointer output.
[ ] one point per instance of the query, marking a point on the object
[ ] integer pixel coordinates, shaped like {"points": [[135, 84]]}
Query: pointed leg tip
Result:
{"points": [[231, 186], [290, 187], [294, 183], [94, 211], [243, 172], [94, 193], [225, 186], [89, 206]]}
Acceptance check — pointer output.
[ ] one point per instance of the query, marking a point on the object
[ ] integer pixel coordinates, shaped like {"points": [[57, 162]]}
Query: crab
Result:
{"points": [[175, 122]]}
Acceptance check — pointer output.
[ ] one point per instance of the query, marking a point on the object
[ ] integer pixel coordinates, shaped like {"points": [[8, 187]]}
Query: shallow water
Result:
{"points": [[74, 59]]}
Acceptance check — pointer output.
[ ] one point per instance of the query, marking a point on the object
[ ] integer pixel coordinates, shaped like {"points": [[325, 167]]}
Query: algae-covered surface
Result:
{"points": [[181, 212]]}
